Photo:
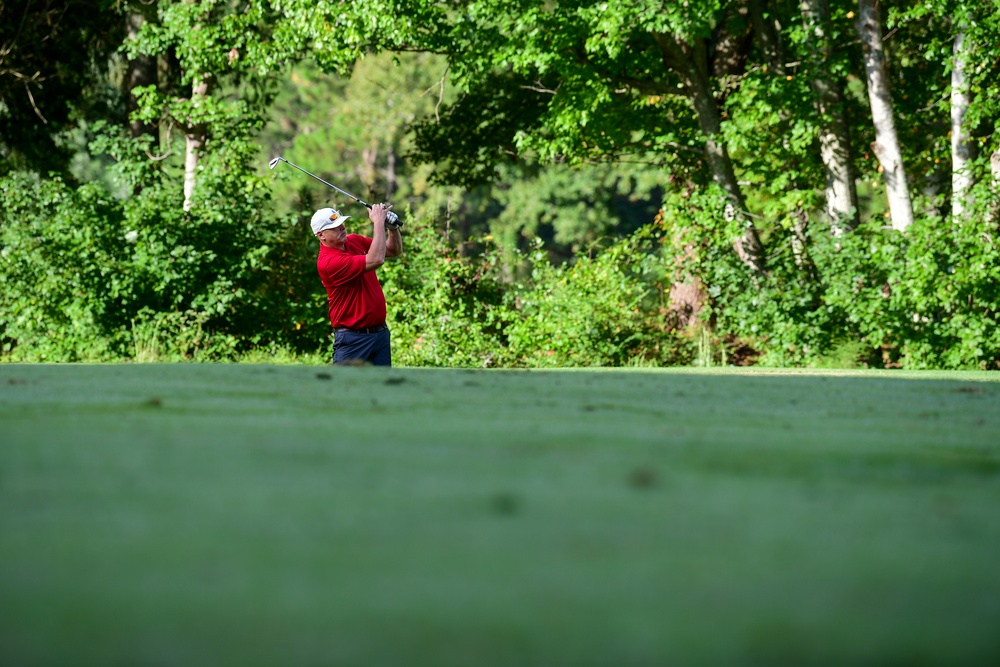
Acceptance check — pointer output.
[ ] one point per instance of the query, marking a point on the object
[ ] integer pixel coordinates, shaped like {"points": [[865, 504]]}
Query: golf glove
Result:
{"points": [[392, 220]]}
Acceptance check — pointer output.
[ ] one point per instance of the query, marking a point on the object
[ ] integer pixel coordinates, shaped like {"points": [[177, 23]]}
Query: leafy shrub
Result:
{"points": [[446, 310], [62, 266], [88, 277], [601, 311], [926, 298], [443, 310]]}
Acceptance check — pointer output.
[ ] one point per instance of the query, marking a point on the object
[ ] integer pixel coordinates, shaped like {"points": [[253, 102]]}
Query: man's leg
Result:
{"points": [[381, 354], [350, 347]]}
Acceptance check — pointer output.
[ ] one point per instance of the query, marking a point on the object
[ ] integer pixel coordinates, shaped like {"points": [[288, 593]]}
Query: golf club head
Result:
{"points": [[273, 163]]}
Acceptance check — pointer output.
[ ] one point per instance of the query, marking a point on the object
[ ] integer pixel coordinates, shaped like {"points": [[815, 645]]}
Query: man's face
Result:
{"points": [[335, 237]]}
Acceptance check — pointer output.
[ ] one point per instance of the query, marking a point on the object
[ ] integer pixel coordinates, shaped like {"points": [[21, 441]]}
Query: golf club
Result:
{"points": [[391, 217]]}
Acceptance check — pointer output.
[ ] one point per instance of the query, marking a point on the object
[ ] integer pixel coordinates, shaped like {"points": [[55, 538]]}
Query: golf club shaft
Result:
{"points": [[346, 194]]}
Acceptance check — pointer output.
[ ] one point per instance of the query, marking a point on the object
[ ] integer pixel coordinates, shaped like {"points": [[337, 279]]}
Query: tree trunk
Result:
{"points": [[390, 174], [935, 181], [886, 144], [194, 142], [835, 150], [768, 36], [993, 212], [963, 149], [800, 244], [369, 160], [166, 72], [834, 135], [140, 71], [689, 61]]}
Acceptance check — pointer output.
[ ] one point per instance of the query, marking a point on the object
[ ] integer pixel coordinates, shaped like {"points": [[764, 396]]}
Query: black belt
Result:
{"points": [[364, 330]]}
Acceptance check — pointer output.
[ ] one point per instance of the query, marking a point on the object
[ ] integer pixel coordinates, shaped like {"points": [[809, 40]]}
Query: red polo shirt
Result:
{"points": [[354, 296]]}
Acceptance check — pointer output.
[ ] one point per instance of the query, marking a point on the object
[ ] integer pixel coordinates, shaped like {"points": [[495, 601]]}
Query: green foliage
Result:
{"points": [[352, 131], [61, 261], [601, 311], [153, 277], [52, 57], [91, 277], [476, 133], [575, 209], [443, 310], [289, 302], [446, 310], [570, 122], [929, 298]]}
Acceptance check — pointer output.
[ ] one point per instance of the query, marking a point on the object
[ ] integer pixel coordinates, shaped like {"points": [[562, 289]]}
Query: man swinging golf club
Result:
{"points": [[346, 265]]}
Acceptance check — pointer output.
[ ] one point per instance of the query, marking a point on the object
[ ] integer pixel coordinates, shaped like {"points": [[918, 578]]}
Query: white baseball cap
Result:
{"points": [[327, 218]]}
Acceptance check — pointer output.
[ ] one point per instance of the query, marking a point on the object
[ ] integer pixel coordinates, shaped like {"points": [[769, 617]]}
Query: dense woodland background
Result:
{"points": [[585, 183]]}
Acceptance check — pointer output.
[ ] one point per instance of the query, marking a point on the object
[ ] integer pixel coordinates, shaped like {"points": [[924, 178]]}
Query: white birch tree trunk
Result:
{"points": [[834, 135], [194, 142], [886, 144], [963, 149], [834, 143]]}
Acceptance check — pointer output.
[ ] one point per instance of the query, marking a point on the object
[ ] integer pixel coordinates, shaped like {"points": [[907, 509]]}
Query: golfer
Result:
{"points": [[346, 265]]}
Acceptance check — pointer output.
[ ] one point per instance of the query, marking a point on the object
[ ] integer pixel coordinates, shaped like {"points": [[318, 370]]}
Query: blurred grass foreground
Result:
{"points": [[266, 515]]}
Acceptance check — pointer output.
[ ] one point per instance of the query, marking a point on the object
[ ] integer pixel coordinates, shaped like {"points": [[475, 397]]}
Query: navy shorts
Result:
{"points": [[354, 346]]}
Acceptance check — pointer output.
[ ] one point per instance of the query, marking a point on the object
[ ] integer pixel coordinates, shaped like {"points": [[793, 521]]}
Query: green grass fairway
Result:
{"points": [[270, 515]]}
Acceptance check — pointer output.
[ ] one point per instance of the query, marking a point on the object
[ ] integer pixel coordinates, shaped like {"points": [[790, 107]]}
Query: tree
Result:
{"points": [[834, 135], [354, 131], [53, 57], [944, 83], [962, 146], [886, 145], [140, 71], [601, 83], [993, 212], [224, 55]]}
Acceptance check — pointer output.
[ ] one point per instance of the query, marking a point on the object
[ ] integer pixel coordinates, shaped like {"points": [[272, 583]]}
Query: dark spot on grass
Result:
{"points": [[395, 380], [970, 390], [470, 383], [944, 506], [643, 477], [323, 376], [505, 504], [153, 402], [16, 381]]}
